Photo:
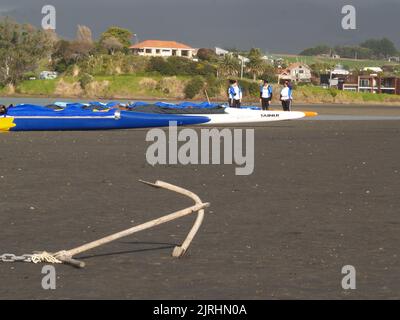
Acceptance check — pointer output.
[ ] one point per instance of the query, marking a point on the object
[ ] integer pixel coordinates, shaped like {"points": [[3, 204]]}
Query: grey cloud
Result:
{"points": [[273, 25]]}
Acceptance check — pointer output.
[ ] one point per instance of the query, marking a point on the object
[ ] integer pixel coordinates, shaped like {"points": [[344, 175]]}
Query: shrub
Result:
{"points": [[250, 88], [174, 66], [303, 84], [333, 92], [160, 65], [148, 84], [85, 80], [170, 85], [194, 87]]}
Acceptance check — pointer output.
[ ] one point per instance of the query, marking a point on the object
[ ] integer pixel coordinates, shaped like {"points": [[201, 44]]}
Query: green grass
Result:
{"points": [[347, 63], [37, 87], [3, 91], [129, 86], [125, 85], [314, 93]]}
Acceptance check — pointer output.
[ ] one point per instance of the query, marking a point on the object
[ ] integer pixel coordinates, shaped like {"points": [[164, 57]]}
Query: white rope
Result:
{"points": [[44, 257]]}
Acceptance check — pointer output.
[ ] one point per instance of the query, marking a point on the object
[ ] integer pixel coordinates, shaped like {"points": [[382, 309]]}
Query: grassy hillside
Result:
{"points": [[348, 63], [140, 87]]}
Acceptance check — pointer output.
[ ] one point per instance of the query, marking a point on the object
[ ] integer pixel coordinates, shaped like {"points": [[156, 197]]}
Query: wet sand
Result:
{"points": [[324, 194]]}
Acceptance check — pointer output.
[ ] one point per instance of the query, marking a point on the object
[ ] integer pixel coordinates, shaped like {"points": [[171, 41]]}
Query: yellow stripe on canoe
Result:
{"points": [[6, 124]]}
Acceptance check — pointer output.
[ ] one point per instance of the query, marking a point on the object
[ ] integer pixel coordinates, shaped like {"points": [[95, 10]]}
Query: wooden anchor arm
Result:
{"points": [[180, 251], [66, 256]]}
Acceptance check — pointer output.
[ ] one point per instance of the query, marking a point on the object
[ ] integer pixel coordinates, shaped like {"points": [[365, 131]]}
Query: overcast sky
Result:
{"points": [[273, 25]]}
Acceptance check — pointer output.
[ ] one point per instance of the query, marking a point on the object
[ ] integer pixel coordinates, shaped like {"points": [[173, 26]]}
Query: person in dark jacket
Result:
{"points": [[266, 94], [3, 110]]}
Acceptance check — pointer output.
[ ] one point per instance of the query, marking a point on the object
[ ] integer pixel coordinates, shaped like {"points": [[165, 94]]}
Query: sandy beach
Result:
{"points": [[324, 194]]}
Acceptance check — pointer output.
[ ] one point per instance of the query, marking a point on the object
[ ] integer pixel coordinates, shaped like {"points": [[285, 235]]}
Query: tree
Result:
{"points": [[354, 52], [318, 50], [381, 48], [229, 66], [84, 34], [256, 66], [112, 45], [21, 49], [270, 74], [319, 68], [67, 53], [124, 36], [206, 54]]}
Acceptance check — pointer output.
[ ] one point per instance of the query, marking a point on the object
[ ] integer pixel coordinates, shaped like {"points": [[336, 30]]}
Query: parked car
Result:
{"points": [[48, 75]]}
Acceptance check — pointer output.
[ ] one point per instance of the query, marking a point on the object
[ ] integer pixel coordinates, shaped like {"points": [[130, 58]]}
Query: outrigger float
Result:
{"points": [[98, 116]]}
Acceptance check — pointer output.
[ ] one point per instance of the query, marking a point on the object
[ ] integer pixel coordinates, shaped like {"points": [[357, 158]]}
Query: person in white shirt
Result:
{"points": [[235, 94], [266, 92], [286, 97]]}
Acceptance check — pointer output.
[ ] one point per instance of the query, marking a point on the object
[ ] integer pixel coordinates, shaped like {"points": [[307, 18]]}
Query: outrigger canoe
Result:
{"points": [[97, 116]]}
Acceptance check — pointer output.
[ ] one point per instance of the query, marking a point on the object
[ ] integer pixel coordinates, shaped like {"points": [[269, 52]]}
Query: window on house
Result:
{"points": [[149, 51], [185, 53], [158, 51], [364, 83]]}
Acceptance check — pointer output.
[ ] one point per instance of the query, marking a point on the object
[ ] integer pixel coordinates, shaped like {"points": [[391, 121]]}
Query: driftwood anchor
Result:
{"points": [[67, 256]]}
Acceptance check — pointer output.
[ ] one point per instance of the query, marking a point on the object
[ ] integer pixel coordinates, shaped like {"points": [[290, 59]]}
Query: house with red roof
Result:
{"points": [[160, 48]]}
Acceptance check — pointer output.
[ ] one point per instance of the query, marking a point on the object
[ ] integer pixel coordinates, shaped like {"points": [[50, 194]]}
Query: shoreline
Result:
{"points": [[175, 99]]}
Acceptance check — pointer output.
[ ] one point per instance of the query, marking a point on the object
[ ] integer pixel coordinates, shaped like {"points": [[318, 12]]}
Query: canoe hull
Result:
{"points": [[127, 120], [132, 120], [240, 116]]}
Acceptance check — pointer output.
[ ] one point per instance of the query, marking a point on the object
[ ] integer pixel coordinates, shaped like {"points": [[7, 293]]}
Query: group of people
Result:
{"points": [[266, 94]]}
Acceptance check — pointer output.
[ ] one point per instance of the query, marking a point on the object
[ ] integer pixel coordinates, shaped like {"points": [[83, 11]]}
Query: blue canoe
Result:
{"points": [[76, 117], [98, 116]]}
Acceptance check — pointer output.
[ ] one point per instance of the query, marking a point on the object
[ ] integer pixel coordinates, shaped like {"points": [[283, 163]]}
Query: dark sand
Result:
{"points": [[324, 194]]}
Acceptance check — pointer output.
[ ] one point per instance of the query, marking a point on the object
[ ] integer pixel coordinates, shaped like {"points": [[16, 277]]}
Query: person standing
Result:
{"points": [[3, 110], [235, 94], [266, 93], [286, 97]]}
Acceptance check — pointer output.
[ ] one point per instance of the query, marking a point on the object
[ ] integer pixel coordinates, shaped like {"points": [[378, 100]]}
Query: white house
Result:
{"points": [[338, 73], [373, 69], [297, 72], [222, 52], [159, 48]]}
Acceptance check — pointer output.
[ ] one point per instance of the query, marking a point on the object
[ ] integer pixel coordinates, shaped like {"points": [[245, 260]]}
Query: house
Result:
{"points": [[159, 48], [296, 72], [372, 83], [329, 55], [335, 76], [222, 53], [394, 59], [373, 69]]}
